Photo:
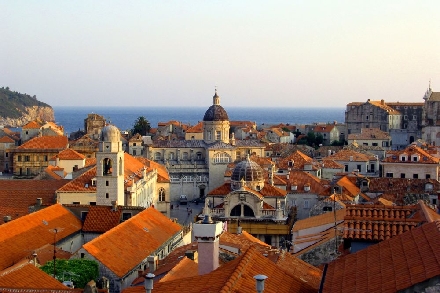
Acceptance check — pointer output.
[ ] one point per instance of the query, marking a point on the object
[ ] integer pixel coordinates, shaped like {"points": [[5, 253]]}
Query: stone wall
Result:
{"points": [[322, 254]]}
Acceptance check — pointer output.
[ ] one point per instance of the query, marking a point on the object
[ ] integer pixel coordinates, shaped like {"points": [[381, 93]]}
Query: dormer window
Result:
{"points": [[429, 187], [307, 187], [403, 158], [415, 158], [94, 182], [290, 163], [294, 186]]}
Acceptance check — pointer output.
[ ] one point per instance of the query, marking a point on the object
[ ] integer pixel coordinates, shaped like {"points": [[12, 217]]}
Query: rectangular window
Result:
{"points": [[359, 168], [306, 203], [84, 216], [106, 183], [107, 195], [428, 176], [76, 202], [374, 143], [19, 158], [389, 175], [93, 203], [402, 175], [416, 176], [218, 135], [126, 216], [27, 158], [28, 171], [346, 168]]}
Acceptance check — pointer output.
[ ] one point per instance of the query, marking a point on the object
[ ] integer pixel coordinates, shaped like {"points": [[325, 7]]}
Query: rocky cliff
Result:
{"points": [[17, 109]]}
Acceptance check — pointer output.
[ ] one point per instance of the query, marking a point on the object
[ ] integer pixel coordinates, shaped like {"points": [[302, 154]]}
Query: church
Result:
{"points": [[197, 166]]}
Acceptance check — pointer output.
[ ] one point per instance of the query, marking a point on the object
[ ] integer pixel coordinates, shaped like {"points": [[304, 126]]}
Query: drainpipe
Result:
{"points": [[149, 282], [260, 282]]}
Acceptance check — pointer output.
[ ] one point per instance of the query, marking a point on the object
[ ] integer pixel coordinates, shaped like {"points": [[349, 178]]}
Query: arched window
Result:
{"points": [[185, 156], [161, 194], [171, 156], [107, 166], [199, 155], [222, 158]]}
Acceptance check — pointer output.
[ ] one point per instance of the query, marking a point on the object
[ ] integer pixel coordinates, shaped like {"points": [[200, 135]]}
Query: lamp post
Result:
{"points": [[54, 251]]}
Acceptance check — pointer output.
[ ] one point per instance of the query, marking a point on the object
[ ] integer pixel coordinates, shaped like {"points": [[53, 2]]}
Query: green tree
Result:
{"points": [[319, 139], [141, 126], [80, 271], [311, 138]]}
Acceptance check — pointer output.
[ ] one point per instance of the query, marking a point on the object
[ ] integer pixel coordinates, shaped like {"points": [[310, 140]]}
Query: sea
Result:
{"points": [[72, 118]]}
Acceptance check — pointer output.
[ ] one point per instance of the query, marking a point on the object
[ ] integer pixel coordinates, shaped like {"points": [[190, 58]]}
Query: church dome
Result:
{"points": [[248, 171], [216, 112], [110, 133]]}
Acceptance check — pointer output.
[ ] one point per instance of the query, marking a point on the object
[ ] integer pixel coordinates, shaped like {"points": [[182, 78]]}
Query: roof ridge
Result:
{"points": [[241, 266]]}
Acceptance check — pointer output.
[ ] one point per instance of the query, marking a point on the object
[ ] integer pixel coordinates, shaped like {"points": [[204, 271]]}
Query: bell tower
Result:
{"points": [[110, 168]]}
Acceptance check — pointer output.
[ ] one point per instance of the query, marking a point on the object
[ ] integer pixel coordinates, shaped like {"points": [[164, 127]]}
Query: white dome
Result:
{"points": [[110, 133]]}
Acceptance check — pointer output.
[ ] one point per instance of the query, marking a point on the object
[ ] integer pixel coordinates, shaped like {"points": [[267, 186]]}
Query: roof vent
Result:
{"points": [[260, 282]]}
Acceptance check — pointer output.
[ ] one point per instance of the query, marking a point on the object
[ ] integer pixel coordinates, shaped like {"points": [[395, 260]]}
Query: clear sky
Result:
{"points": [[258, 53]]}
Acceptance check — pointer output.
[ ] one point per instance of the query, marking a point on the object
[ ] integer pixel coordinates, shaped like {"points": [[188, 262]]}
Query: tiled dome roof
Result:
{"points": [[247, 170], [216, 113], [110, 133]]}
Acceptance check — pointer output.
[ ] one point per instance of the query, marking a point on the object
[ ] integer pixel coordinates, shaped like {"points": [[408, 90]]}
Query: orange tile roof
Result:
{"points": [[82, 183], [323, 219], [346, 155], [301, 179], [162, 172], [330, 164], [17, 195], [6, 139], [32, 125], [184, 269], [198, 128], [50, 170], [20, 237], [390, 266], [237, 276], [69, 154], [324, 128], [46, 142], [299, 159], [142, 235], [45, 254], [268, 190], [370, 134], [425, 158], [296, 267], [101, 219], [26, 275], [379, 222], [385, 107]]}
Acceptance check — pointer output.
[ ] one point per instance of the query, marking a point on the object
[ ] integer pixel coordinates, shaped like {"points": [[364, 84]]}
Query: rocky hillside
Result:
{"points": [[17, 109]]}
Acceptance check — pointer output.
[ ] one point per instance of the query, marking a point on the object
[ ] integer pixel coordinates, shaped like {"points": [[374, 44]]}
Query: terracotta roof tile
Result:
{"points": [[390, 266], [423, 156], [46, 142], [50, 170], [69, 154], [82, 183], [20, 237], [143, 234], [17, 195], [26, 275], [326, 218], [198, 128], [101, 219], [6, 139], [32, 125], [350, 155], [237, 276], [184, 269], [370, 134]]}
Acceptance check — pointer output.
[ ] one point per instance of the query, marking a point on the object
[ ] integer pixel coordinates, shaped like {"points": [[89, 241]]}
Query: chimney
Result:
{"points": [[152, 263], [39, 202], [34, 255], [260, 282], [6, 219], [114, 205], [382, 102], [207, 233], [149, 282], [239, 230]]}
